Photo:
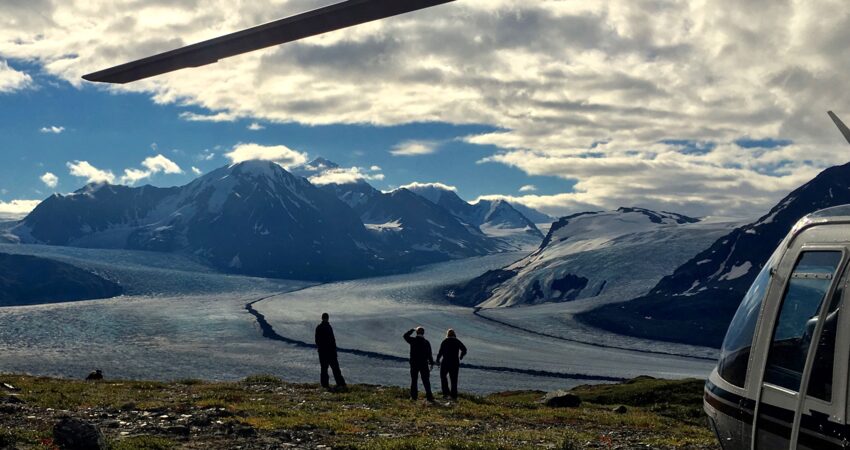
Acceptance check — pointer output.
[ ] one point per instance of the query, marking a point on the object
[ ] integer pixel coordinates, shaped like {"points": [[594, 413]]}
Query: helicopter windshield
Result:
{"points": [[735, 352]]}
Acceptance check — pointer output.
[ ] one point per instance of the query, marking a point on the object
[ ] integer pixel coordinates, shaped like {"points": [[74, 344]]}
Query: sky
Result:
{"points": [[698, 107]]}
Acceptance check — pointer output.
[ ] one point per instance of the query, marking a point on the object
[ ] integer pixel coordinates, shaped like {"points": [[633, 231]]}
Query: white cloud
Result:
{"points": [[17, 208], [12, 80], [553, 78], [419, 185], [196, 170], [159, 163], [84, 169], [256, 127], [280, 154], [528, 188], [344, 176], [375, 168], [50, 180], [414, 148], [52, 130], [205, 155], [217, 117], [152, 165]]}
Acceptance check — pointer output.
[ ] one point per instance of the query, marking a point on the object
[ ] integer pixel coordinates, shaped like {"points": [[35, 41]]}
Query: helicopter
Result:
{"points": [[781, 381]]}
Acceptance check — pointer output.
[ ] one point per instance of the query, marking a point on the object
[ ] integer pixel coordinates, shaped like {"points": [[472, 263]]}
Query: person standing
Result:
{"points": [[326, 344], [451, 353], [421, 362]]}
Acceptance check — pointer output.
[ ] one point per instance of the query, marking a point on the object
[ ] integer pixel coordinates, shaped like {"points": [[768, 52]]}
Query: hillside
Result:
{"points": [[592, 254], [704, 292], [26, 280], [263, 412]]}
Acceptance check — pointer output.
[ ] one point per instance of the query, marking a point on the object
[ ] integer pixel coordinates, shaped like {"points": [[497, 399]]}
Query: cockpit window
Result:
{"points": [[792, 336], [735, 353], [820, 382]]}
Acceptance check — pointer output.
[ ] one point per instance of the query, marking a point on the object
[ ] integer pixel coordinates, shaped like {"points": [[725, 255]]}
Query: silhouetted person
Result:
{"points": [[421, 361], [451, 352], [326, 344], [97, 375]]}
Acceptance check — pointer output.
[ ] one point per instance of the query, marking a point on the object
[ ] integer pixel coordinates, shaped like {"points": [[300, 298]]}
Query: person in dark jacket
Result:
{"points": [[451, 353], [326, 344], [421, 362]]}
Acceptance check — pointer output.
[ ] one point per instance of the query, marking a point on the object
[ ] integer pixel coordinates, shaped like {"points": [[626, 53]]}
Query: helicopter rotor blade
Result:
{"points": [[841, 127], [311, 23]]}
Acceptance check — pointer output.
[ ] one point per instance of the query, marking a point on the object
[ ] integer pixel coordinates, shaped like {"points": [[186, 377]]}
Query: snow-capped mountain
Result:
{"points": [[252, 218], [592, 254], [496, 218], [411, 229], [703, 293]]}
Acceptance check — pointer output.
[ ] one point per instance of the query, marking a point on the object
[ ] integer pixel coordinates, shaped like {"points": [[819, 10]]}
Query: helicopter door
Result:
{"points": [[823, 410], [798, 322]]}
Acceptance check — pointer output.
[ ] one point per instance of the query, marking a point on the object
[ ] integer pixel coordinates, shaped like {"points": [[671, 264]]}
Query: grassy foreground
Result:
{"points": [[263, 412]]}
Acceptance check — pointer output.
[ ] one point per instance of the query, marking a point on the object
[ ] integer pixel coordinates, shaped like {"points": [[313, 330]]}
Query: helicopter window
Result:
{"points": [[820, 382], [735, 353], [792, 335]]}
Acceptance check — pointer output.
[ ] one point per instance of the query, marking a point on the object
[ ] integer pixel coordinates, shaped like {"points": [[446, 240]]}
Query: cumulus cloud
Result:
{"points": [[256, 127], [84, 169], [15, 209], [50, 180], [52, 130], [559, 81], [151, 165], [528, 188], [414, 148], [280, 154], [12, 80], [340, 175], [196, 170]]}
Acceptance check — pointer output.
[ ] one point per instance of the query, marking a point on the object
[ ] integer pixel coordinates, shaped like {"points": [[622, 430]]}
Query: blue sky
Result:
{"points": [[117, 131], [693, 108]]}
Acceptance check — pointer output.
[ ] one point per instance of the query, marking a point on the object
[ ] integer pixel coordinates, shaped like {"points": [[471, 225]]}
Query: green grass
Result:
{"points": [[661, 413]]}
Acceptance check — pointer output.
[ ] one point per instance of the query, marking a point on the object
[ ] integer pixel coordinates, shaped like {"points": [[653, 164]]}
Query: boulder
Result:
{"points": [[75, 434], [620, 409], [561, 399]]}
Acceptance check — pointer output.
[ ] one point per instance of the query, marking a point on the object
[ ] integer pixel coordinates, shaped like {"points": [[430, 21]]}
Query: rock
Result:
{"points": [[180, 430], [620, 409], [12, 400], [561, 399], [9, 387], [128, 406], [110, 424], [74, 434], [241, 430], [97, 375]]}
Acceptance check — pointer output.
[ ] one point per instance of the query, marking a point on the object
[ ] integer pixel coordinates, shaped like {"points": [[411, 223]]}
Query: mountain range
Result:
{"points": [[256, 218], [695, 303]]}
